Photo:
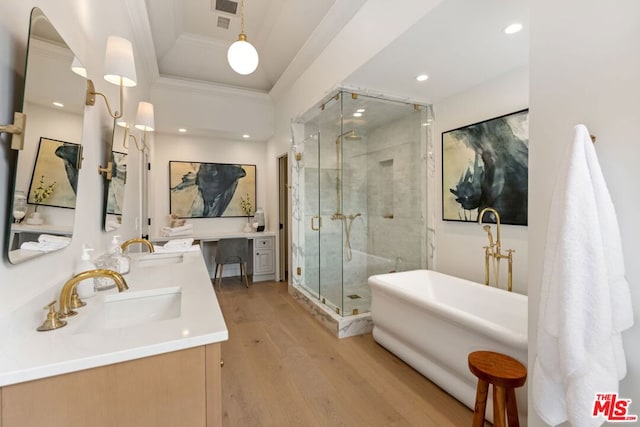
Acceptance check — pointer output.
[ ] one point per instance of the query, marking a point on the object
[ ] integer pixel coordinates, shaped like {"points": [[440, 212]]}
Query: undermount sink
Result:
{"points": [[126, 309], [157, 259]]}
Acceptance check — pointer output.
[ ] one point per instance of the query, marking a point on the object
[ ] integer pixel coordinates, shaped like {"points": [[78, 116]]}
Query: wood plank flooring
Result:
{"points": [[282, 368]]}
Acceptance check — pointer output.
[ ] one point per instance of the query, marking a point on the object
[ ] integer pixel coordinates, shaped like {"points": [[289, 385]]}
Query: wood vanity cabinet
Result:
{"points": [[181, 388]]}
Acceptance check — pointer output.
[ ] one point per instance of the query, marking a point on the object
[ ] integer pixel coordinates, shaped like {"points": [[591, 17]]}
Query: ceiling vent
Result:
{"points": [[223, 22], [226, 6]]}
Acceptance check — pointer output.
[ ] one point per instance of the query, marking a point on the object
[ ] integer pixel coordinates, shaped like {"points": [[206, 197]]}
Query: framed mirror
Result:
{"points": [[46, 170]]}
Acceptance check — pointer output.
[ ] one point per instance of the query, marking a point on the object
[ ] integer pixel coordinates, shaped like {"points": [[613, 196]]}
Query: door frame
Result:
{"points": [[284, 217]]}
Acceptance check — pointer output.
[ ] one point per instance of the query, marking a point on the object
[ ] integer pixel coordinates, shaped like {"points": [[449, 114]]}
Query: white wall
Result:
{"points": [[585, 68], [459, 245], [203, 108], [85, 28], [203, 149]]}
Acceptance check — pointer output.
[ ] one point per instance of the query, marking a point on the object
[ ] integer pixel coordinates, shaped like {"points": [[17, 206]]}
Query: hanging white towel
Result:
{"points": [[585, 302]]}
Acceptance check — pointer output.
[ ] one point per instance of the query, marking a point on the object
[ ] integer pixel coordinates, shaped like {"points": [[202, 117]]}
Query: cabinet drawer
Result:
{"points": [[263, 243]]}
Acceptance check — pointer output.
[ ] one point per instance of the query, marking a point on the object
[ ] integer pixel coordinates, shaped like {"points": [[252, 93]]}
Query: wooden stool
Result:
{"points": [[506, 374]]}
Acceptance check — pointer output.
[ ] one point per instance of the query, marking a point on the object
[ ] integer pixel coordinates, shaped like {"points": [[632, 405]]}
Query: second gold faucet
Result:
{"points": [[145, 242]]}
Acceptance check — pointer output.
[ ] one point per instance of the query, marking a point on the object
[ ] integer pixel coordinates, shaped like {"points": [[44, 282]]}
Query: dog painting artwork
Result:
{"points": [[486, 164], [210, 190]]}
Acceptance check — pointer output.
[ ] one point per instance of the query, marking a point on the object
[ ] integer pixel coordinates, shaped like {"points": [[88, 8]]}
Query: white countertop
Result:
{"points": [[26, 354]]}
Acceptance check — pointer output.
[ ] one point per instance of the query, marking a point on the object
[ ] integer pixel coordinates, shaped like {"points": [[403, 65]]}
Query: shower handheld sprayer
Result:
{"points": [[347, 222], [487, 228]]}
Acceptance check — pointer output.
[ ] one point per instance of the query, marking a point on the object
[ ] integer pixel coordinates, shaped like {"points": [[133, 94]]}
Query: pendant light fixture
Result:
{"points": [[242, 56]]}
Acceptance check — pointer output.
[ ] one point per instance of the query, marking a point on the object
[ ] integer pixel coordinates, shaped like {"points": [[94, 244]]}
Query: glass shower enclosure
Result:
{"points": [[359, 198]]}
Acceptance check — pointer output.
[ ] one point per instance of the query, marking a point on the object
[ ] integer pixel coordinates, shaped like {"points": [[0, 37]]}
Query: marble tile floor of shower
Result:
{"points": [[283, 368], [357, 297]]}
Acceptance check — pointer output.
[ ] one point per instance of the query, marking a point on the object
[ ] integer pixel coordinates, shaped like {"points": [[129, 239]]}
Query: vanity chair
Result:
{"points": [[232, 251]]}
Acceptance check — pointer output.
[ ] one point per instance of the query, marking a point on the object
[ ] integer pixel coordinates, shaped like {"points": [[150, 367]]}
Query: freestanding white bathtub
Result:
{"points": [[433, 321]]}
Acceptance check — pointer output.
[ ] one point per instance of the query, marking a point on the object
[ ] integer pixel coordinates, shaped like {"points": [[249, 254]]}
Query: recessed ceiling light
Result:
{"points": [[58, 104], [122, 123], [422, 77], [357, 114], [360, 110], [182, 130], [246, 136], [513, 28]]}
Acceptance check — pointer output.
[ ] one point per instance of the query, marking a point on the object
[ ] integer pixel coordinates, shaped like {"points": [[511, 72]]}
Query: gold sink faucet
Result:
{"points": [[494, 251], [145, 242], [69, 298], [70, 285]]}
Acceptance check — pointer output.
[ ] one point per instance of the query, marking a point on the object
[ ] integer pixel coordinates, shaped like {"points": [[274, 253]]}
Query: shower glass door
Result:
{"points": [[329, 204], [310, 197]]}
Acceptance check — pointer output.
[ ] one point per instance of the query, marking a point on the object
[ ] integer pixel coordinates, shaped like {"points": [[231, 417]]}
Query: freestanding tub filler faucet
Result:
{"points": [[493, 252]]}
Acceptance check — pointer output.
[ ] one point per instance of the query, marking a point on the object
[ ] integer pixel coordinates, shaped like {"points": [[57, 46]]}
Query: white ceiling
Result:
{"points": [[189, 45], [459, 44]]}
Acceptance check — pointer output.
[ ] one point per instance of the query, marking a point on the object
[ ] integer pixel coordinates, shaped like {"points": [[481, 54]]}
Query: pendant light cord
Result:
{"points": [[241, 16]]}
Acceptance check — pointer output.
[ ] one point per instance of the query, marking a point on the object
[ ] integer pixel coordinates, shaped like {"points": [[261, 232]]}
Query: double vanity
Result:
{"points": [[147, 356]]}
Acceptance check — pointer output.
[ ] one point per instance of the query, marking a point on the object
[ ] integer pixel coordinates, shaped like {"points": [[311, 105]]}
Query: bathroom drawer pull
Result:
{"points": [[264, 243]]}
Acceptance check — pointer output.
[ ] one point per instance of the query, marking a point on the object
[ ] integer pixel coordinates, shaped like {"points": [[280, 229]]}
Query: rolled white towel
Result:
{"points": [[178, 243], [49, 238], [44, 246], [186, 227]]}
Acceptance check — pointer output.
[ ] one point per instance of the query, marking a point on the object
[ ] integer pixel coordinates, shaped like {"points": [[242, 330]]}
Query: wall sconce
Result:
{"points": [[296, 153], [119, 69], [145, 122], [17, 130]]}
